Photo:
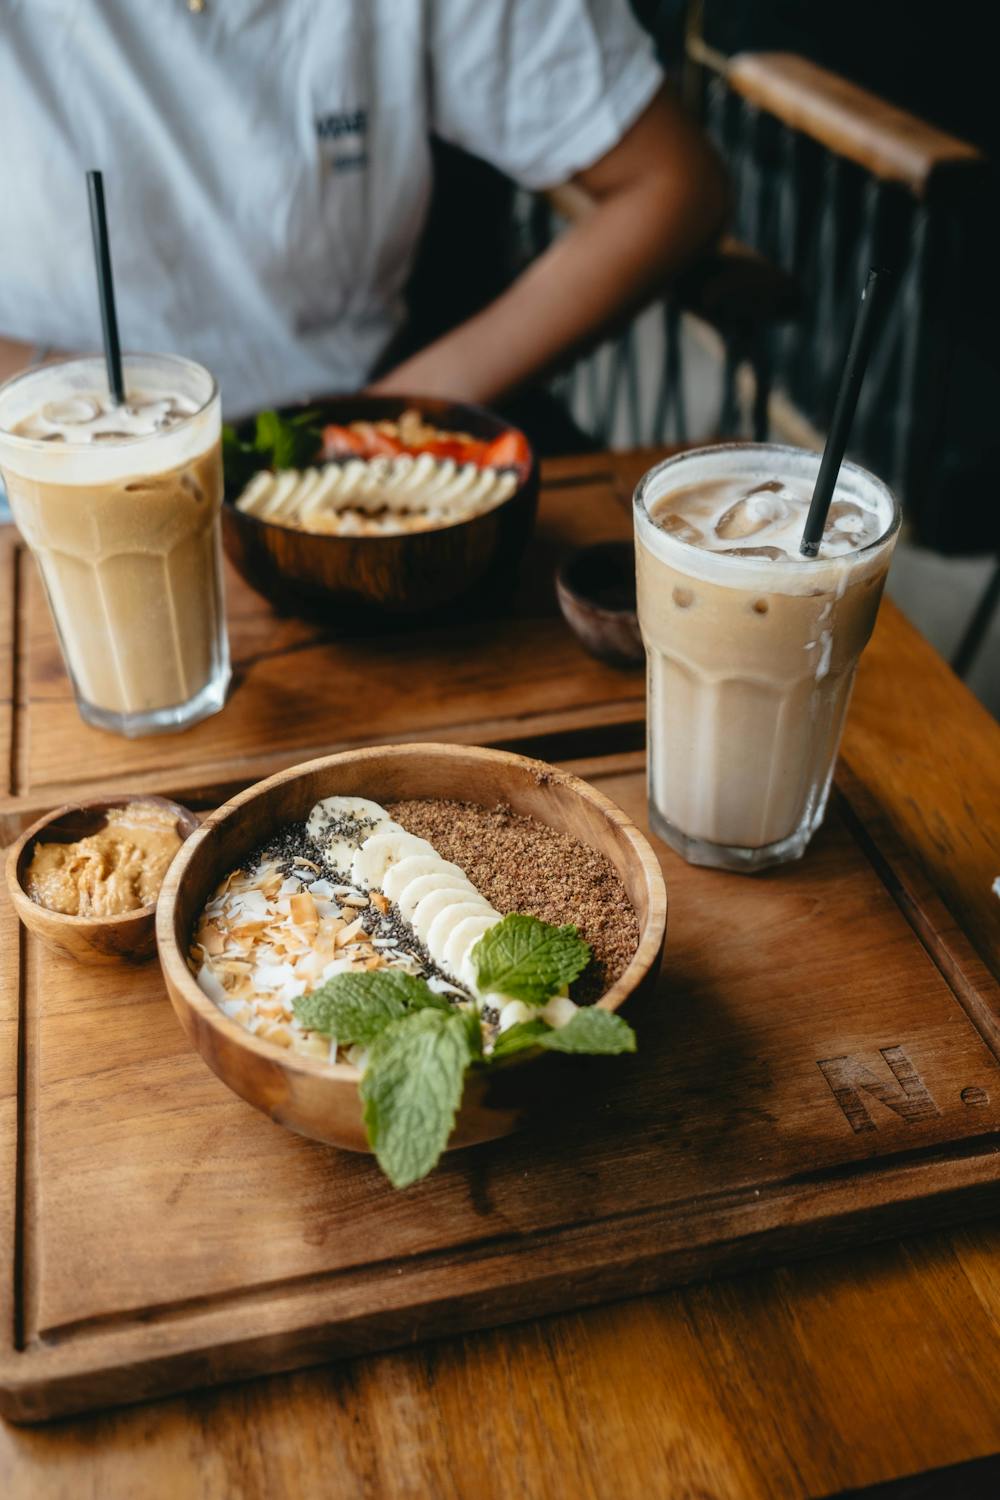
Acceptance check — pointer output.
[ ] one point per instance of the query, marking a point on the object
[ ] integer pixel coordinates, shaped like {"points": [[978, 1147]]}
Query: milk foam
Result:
{"points": [[58, 424], [705, 514], [92, 416]]}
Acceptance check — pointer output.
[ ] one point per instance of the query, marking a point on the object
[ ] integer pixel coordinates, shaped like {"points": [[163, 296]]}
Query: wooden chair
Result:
{"points": [[831, 179]]}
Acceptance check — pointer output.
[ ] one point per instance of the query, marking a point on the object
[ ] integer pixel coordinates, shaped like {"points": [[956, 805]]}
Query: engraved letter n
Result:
{"points": [[908, 1096]]}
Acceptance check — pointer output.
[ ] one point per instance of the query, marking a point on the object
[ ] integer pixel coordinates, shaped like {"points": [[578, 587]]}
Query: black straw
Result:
{"points": [[106, 287], [843, 413]]}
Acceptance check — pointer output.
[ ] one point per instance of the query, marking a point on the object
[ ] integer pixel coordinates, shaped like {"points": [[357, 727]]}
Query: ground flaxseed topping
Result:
{"points": [[522, 865]]}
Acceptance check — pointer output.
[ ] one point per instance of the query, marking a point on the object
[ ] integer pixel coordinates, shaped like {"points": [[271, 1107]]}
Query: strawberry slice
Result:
{"points": [[460, 452], [375, 441], [342, 442], [508, 451]]}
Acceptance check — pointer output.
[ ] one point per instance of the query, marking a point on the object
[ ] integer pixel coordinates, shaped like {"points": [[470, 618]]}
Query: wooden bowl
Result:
{"points": [[355, 582], [93, 940], [321, 1100], [596, 590]]}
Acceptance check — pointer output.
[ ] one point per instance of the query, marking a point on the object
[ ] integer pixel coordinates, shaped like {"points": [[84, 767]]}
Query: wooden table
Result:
{"points": [[802, 1380]]}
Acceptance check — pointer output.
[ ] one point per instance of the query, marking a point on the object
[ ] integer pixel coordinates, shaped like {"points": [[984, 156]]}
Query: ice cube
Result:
{"points": [[846, 517], [775, 554], [683, 530], [757, 510], [72, 411]]}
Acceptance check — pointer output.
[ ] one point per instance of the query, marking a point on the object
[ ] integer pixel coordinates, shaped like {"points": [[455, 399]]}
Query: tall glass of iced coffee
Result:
{"points": [[751, 648], [120, 506]]}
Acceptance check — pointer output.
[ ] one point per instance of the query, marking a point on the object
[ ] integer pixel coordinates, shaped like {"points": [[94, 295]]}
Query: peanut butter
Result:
{"points": [[115, 870]]}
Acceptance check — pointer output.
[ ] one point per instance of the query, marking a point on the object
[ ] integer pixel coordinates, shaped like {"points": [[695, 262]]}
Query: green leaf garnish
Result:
{"points": [[519, 1038], [278, 443], [590, 1030], [355, 1007], [593, 1031], [412, 1087], [289, 442], [528, 959], [420, 1045]]}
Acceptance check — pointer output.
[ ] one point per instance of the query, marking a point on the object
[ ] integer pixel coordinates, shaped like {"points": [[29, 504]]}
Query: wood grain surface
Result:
{"points": [[800, 1381], [849, 120]]}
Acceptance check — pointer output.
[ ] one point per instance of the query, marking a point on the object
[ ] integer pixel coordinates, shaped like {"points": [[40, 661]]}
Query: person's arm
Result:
{"points": [[659, 197]]}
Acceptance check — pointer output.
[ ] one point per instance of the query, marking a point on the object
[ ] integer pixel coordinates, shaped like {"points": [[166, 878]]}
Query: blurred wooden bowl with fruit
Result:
{"points": [[359, 508]]}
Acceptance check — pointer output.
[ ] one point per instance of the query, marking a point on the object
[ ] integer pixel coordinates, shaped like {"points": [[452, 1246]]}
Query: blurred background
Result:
{"points": [[855, 135]]}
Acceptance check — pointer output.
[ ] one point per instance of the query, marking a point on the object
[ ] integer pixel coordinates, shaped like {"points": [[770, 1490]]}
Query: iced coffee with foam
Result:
{"points": [[751, 648], [120, 506]]}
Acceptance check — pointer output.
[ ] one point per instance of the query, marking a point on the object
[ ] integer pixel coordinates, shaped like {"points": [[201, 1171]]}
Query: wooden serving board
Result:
{"points": [[818, 1067], [516, 677]]}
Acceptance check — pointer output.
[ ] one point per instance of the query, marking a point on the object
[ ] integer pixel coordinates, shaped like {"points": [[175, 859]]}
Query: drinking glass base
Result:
{"points": [[161, 720], [732, 857]]}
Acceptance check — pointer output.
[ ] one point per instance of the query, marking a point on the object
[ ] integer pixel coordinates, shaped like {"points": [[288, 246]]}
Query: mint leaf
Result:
{"points": [[412, 1087], [290, 442], [519, 1038], [528, 959], [356, 1007], [474, 1032], [591, 1030], [239, 460]]}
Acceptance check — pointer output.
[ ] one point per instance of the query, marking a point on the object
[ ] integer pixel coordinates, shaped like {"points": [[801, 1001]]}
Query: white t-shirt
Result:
{"points": [[266, 162]]}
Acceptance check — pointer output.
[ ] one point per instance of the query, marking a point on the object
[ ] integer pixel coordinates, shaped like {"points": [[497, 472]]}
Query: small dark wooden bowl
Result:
{"points": [[596, 590], [94, 940], [355, 582]]}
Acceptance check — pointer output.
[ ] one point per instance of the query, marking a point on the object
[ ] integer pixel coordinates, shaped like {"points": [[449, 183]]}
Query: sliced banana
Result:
{"points": [[458, 949], [559, 1011], [340, 826], [381, 851], [417, 889], [443, 925], [426, 911], [407, 872]]}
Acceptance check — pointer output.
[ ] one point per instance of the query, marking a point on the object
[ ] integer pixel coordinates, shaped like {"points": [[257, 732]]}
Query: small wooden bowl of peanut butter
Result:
{"points": [[86, 877]]}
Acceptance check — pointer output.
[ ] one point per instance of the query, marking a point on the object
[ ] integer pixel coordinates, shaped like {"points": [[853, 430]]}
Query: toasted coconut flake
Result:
{"points": [[211, 938], [303, 910], [349, 933]]}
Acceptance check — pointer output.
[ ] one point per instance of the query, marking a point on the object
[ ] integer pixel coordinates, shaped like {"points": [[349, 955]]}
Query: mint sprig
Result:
{"points": [[527, 959], [420, 1044], [355, 1007], [278, 443], [412, 1087]]}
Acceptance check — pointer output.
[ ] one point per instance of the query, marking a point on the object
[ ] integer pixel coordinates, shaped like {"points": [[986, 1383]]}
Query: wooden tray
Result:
{"points": [[818, 1068], [519, 679]]}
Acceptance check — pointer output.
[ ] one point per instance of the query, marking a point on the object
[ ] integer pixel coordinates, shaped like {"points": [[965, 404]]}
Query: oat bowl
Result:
{"points": [[379, 948]]}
